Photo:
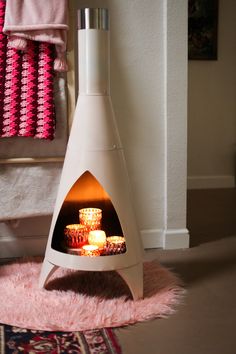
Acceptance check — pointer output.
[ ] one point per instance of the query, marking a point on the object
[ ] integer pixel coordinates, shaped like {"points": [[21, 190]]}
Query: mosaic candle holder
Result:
{"points": [[91, 218], [115, 245], [90, 251], [75, 235]]}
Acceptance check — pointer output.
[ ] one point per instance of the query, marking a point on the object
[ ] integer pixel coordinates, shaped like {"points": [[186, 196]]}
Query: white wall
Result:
{"points": [[176, 234], [212, 109], [149, 92], [137, 76]]}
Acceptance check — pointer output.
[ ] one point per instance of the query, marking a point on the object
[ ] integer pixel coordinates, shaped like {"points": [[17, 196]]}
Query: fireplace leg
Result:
{"points": [[47, 270], [133, 276]]}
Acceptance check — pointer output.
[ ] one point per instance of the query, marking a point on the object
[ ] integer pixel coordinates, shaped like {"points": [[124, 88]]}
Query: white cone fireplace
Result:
{"points": [[93, 226]]}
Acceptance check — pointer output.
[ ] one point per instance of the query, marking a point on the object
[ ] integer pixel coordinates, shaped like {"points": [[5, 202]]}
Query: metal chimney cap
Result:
{"points": [[93, 18]]}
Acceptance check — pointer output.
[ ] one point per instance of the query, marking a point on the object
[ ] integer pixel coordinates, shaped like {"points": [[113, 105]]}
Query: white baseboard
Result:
{"points": [[23, 246], [12, 247], [167, 239], [176, 238], [152, 238], [26, 246], [210, 182]]}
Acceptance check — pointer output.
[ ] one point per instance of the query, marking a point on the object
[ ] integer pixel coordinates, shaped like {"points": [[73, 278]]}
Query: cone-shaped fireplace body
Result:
{"points": [[94, 173]]}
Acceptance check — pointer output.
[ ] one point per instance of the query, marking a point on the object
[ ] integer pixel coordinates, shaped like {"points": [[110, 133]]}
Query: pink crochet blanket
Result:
{"points": [[26, 88], [38, 20]]}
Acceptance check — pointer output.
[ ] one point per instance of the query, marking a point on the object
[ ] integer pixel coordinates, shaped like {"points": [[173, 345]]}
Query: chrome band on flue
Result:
{"points": [[93, 18]]}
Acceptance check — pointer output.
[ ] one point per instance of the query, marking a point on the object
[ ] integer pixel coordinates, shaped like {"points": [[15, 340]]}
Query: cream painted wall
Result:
{"points": [[212, 109], [149, 94]]}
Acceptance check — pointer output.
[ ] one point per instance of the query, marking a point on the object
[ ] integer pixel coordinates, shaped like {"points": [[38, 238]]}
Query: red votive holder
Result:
{"points": [[91, 218], [75, 235], [115, 245]]}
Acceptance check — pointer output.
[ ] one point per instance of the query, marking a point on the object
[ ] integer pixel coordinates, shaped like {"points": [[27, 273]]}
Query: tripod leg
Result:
{"points": [[47, 270], [133, 276]]}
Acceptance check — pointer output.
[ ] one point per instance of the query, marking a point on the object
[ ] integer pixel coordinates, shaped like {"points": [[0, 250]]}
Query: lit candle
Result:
{"points": [[75, 235], [90, 251], [115, 245], [97, 237], [91, 218]]}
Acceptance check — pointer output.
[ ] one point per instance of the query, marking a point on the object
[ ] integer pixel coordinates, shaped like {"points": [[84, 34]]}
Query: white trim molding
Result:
{"points": [[22, 246], [210, 182], [176, 238], [167, 239], [175, 234], [152, 238], [27, 246]]}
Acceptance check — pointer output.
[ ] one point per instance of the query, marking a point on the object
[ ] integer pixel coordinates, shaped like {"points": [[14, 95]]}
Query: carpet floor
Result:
{"points": [[206, 322]]}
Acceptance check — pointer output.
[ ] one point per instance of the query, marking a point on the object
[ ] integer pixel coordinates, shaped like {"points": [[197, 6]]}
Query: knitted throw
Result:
{"points": [[26, 88]]}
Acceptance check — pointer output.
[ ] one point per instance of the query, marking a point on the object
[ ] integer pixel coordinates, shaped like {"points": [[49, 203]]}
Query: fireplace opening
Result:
{"points": [[87, 224]]}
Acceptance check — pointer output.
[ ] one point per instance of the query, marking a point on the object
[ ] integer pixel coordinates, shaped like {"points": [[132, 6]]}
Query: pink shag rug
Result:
{"points": [[77, 301]]}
